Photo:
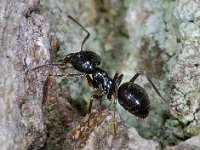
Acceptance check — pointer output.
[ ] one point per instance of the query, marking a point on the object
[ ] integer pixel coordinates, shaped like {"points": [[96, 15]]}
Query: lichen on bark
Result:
{"points": [[185, 74]]}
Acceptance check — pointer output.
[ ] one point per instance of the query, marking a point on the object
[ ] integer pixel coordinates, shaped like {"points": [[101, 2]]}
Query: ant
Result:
{"points": [[131, 96]]}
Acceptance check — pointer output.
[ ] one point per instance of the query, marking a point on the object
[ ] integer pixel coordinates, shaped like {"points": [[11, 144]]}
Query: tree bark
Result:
{"points": [[24, 42]]}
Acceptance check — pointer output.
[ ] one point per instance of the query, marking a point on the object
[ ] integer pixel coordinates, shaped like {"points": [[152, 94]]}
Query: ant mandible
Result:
{"points": [[132, 97]]}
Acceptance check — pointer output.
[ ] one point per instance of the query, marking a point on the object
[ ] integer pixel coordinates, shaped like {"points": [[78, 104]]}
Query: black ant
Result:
{"points": [[132, 97]]}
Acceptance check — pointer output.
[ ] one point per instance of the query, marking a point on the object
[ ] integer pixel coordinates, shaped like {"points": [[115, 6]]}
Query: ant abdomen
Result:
{"points": [[134, 99]]}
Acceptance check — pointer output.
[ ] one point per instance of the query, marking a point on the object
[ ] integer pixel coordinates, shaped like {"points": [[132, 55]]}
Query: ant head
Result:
{"points": [[90, 55], [86, 61]]}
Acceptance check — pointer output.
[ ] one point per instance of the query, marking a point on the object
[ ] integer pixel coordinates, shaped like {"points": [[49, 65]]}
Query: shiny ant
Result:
{"points": [[132, 97]]}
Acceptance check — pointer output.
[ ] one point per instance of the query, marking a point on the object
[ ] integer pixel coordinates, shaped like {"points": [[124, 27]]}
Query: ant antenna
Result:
{"points": [[88, 34]]}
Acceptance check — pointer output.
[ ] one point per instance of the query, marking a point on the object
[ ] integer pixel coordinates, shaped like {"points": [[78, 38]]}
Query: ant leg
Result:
{"points": [[113, 91], [67, 75], [118, 81], [115, 83], [90, 106], [94, 85], [88, 34], [97, 96], [46, 65], [94, 96], [91, 82], [65, 61], [156, 90], [114, 119], [65, 67], [67, 58]]}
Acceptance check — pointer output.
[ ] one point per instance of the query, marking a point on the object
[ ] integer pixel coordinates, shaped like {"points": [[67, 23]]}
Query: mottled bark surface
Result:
{"points": [[185, 75], [24, 43]]}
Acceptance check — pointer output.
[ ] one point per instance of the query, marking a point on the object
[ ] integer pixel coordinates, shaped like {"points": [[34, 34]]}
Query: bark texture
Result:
{"points": [[24, 43]]}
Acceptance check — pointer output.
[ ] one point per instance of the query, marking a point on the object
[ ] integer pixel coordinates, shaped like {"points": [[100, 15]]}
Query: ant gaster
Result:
{"points": [[132, 97]]}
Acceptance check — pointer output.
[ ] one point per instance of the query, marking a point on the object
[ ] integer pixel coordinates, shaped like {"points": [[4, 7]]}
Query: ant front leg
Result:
{"points": [[156, 90], [71, 75], [59, 65], [66, 60]]}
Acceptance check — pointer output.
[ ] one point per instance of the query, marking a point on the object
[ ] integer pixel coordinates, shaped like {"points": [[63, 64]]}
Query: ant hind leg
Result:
{"points": [[113, 92], [157, 91]]}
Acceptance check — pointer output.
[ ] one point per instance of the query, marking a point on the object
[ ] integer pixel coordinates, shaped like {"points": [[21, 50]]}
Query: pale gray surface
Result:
{"points": [[24, 42]]}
